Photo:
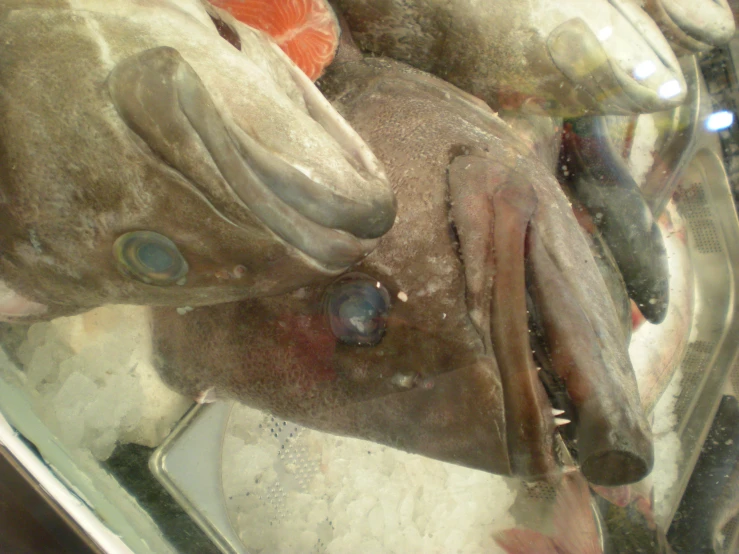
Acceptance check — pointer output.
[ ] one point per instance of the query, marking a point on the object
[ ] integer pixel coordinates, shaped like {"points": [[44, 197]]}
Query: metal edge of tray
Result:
{"points": [[694, 428], [177, 461], [117, 526]]}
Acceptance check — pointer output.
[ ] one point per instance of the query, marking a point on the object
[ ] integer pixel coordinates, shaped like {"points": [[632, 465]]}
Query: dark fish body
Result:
{"points": [[601, 181], [693, 526]]}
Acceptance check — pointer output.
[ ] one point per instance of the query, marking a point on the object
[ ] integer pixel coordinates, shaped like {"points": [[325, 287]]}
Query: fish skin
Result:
{"points": [[656, 350], [278, 353], [541, 57], [693, 26], [75, 176]]}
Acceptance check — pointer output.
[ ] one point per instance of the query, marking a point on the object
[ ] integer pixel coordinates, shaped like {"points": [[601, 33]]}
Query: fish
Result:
{"points": [[568, 58], [576, 529], [600, 179], [724, 523], [424, 345], [629, 524], [657, 350], [163, 153], [306, 30], [693, 26]]}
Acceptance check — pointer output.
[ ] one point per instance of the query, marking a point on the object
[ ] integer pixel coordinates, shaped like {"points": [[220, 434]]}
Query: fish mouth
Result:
{"points": [[515, 255], [161, 97]]}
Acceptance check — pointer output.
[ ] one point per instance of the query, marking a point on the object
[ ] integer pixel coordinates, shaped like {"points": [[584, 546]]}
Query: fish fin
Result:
{"points": [[14, 307], [618, 496], [573, 517], [525, 541]]}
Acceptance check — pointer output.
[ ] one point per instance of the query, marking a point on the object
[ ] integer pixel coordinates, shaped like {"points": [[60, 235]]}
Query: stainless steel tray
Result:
{"points": [[188, 465]]}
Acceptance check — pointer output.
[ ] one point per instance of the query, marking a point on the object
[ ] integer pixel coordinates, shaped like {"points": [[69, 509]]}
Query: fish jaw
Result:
{"points": [[80, 177], [162, 99], [491, 208], [586, 346]]}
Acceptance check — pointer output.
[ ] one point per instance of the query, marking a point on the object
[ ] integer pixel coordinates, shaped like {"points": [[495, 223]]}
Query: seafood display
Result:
{"points": [[311, 210]]}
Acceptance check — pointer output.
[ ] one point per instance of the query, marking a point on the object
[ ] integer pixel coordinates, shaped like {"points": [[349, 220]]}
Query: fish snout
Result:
{"points": [[621, 59], [162, 99]]}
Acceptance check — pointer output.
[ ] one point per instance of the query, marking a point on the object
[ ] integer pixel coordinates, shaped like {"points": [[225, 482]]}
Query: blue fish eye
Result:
{"points": [[155, 257], [150, 257], [357, 309]]}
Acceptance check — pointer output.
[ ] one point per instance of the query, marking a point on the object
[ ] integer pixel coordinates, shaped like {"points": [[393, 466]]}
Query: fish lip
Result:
{"points": [[587, 62], [292, 212], [367, 213], [661, 50], [685, 20]]}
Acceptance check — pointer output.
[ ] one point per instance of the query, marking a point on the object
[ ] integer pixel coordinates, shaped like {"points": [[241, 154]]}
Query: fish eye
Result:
{"points": [[150, 257], [357, 308]]}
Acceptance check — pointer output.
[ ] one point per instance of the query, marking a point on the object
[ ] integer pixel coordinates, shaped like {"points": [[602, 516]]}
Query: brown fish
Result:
{"points": [[570, 58], [163, 153], [425, 344]]}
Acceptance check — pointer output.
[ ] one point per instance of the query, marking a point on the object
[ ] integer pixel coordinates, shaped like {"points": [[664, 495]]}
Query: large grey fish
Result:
{"points": [[570, 57], [161, 153], [425, 344]]}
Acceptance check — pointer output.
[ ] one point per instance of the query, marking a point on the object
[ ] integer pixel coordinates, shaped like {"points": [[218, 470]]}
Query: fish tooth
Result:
{"points": [[559, 422], [556, 412]]}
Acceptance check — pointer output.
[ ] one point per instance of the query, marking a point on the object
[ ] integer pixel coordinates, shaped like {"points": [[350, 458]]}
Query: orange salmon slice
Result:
{"points": [[306, 30]]}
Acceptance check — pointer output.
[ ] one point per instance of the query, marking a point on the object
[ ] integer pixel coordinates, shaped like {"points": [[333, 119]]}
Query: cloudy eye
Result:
{"points": [[150, 257], [357, 307]]}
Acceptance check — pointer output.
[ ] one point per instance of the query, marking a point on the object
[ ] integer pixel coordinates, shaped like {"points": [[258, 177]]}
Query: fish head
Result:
{"points": [[385, 352], [163, 153], [426, 345]]}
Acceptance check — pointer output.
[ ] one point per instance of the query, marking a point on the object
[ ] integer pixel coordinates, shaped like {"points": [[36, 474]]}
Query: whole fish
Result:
{"points": [[424, 345], [569, 58], [163, 153]]}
